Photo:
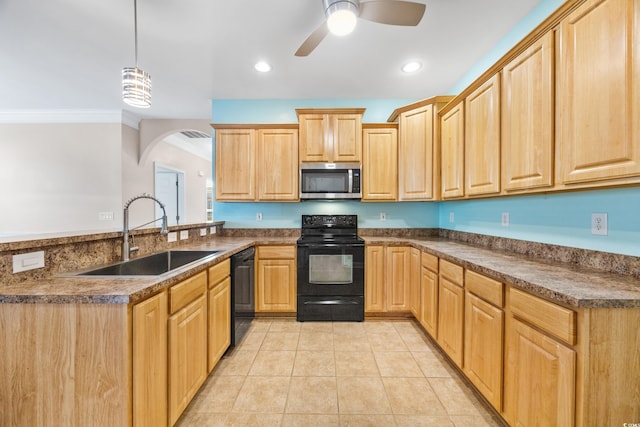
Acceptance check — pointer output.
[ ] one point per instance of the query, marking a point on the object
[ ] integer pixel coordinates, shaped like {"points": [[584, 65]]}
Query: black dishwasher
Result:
{"points": [[242, 294]]}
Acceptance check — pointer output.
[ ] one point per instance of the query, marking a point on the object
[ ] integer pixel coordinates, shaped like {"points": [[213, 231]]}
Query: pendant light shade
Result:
{"points": [[136, 87], [136, 84]]}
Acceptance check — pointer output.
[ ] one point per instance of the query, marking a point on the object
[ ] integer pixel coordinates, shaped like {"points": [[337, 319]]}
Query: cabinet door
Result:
{"points": [[598, 92], [187, 355], [278, 165], [150, 362], [276, 285], [398, 278], [416, 171], [452, 152], [235, 164], [528, 117], [482, 139], [429, 301], [414, 283], [483, 347], [314, 144], [380, 164], [346, 137], [450, 319], [374, 279], [539, 379], [219, 321]]}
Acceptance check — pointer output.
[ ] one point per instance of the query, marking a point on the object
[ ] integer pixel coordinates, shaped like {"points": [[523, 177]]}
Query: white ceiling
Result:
{"points": [[69, 54]]}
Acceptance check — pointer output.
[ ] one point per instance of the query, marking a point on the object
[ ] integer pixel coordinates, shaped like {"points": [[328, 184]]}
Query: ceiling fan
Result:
{"points": [[342, 16]]}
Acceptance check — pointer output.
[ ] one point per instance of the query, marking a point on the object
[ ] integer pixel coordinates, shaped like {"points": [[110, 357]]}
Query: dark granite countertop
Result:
{"points": [[568, 284], [69, 289]]}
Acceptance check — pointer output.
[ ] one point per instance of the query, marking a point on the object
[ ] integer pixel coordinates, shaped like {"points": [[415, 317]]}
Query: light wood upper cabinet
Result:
{"points": [[235, 164], [528, 117], [276, 279], [599, 92], [482, 139], [277, 177], [417, 150], [330, 135], [452, 152], [380, 163], [150, 362]]}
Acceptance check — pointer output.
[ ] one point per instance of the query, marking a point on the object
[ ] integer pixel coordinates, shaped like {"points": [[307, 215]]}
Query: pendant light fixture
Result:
{"points": [[136, 84]]}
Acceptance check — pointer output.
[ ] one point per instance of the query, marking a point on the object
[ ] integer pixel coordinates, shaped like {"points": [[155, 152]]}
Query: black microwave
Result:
{"points": [[330, 181]]}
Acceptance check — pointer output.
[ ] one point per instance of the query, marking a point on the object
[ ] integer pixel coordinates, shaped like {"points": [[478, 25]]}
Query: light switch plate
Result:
{"points": [[452, 217], [212, 230], [505, 219], [184, 234], [203, 232], [29, 261], [172, 237]]}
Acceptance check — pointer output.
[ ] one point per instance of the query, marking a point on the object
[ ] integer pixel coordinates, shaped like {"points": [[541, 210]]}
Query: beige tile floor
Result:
{"points": [[374, 373]]}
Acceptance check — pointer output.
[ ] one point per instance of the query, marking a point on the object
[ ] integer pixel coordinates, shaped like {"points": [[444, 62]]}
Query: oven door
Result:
{"points": [[330, 269]]}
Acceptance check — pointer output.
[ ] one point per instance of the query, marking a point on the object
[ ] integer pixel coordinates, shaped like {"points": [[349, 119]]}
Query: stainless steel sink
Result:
{"points": [[151, 265]]}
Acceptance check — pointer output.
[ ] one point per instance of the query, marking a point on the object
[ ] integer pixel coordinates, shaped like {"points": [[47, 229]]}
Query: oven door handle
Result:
{"points": [[331, 302]]}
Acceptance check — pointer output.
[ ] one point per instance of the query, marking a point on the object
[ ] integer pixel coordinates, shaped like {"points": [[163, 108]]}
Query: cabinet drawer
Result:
{"points": [[184, 292], [218, 272], [488, 289], [277, 252], [558, 321], [452, 272], [430, 261]]}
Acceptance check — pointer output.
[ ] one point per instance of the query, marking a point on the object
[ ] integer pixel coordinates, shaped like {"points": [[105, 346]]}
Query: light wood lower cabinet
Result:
{"points": [[150, 362], [429, 294], [219, 316], [187, 342], [276, 279], [451, 311], [387, 279], [539, 378], [483, 335]]}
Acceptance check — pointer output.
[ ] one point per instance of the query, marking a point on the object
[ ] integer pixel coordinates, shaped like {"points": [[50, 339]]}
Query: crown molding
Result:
{"points": [[69, 116]]}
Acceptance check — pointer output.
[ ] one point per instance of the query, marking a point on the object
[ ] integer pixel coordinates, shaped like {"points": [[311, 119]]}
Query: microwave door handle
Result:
{"points": [[350, 181]]}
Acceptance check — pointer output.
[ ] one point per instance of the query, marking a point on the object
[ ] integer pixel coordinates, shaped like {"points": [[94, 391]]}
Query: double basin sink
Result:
{"points": [[151, 265]]}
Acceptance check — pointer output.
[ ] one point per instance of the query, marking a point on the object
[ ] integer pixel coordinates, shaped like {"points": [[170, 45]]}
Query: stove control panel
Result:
{"points": [[343, 221]]}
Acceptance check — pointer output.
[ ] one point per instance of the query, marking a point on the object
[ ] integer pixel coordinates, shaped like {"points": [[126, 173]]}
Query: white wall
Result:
{"points": [[58, 177], [139, 178]]}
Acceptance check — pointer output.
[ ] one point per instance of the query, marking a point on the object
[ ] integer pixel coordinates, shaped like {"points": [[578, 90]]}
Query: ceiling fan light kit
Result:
{"points": [[396, 12], [342, 16], [136, 84]]}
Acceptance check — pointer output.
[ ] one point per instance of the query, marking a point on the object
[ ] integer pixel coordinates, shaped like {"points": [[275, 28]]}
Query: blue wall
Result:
{"points": [[562, 218]]}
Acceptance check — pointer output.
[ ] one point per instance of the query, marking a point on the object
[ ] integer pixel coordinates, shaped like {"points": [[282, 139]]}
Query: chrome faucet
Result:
{"points": [[125, 227]]}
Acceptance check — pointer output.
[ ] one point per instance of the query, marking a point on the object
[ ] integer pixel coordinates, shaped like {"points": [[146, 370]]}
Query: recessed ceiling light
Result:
{"points": [[263, 67], [411, 67]]}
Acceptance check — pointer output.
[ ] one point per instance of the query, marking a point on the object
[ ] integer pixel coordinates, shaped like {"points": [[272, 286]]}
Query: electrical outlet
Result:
{"points": [[259, 216], [383, 216], [505, 219], [203, 232], [212, 230], [184, 234], [599, 225], [452, 217], [172, 237]]}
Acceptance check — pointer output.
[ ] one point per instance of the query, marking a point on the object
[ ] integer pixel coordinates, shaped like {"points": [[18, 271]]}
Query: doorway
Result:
{"points": [[169, 189]]}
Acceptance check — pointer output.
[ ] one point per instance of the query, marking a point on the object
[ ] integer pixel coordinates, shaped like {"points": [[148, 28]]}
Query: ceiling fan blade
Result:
{"points": [[392, 12], [313, 40]]}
